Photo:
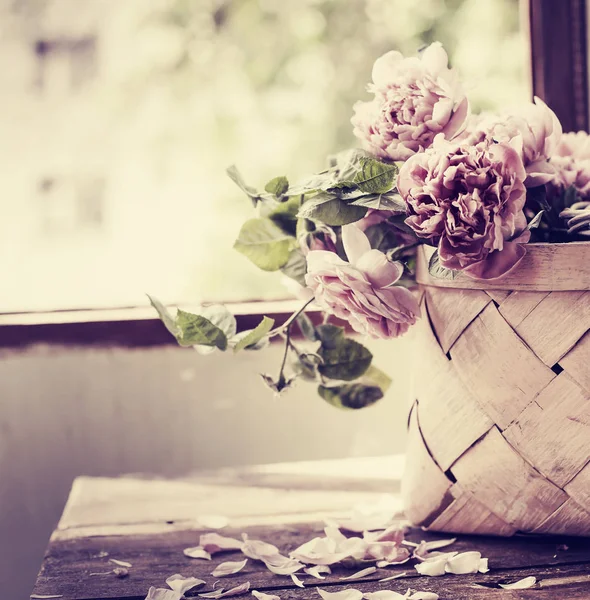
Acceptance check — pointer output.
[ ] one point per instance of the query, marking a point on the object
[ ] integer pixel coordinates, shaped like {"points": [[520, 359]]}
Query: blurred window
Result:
{"points": [[119, 117]]}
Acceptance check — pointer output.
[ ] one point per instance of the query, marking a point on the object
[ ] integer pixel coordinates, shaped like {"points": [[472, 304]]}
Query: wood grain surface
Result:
{"points": [[132, 520]]}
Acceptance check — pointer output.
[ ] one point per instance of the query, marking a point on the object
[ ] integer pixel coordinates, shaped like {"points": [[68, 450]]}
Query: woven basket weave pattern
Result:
{"points": [[499, 438]]}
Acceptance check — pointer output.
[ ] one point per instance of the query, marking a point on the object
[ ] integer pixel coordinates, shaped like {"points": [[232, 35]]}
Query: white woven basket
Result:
{"points": [[499, 435]]}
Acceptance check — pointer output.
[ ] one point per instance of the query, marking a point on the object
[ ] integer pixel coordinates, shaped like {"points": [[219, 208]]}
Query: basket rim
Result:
{"points": [[546, 267]]}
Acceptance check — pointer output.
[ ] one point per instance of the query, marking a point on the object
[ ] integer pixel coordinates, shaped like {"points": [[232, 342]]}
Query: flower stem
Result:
{"points": [[287, 324]]}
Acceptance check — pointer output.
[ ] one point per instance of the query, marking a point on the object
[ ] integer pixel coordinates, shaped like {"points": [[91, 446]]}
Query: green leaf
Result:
{"points": [[255, 335], [296, 267], [277, 186], [536, 220], [351, 395], [437, 270], [265, 244], [285, 215], [237, 178], [306, 366], [197, 330], [221, 317], [347, 163], [165, 316], [374, 176], [307, 327], [375, 376], [330, 335], [331, 210], [390, 201], [347, 360]]}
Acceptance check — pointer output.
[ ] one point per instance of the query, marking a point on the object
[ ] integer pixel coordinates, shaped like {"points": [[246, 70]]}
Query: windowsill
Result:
{"points": [[126, 327]]}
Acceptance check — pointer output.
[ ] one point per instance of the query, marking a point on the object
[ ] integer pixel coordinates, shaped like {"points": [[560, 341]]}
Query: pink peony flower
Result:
{"points": [[571, 162], [536, 125], [415, 99], [361, 291], [468, 200]]}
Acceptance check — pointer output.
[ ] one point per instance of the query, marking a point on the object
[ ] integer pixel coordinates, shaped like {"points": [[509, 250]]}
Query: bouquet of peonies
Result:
{"points": [[478, 188]]}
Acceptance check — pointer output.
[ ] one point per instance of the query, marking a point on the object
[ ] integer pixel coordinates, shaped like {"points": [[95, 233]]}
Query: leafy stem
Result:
{"points": [[287, 324], [281, 382]]}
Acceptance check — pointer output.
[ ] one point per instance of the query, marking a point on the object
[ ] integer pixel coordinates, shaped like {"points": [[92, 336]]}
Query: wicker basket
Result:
{"points": [[499, 434]]}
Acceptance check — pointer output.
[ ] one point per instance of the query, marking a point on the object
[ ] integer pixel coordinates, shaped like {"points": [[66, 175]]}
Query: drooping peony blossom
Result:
{"points": [[361, 291], [468, 200], [571, 162], [537, 126], [415, 99]]}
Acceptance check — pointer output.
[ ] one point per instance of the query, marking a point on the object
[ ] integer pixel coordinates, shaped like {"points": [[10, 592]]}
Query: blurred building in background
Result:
{"points": [[118, 119]]}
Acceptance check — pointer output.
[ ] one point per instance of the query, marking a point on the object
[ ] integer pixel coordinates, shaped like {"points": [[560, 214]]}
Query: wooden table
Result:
{"points": [[149, 522]]}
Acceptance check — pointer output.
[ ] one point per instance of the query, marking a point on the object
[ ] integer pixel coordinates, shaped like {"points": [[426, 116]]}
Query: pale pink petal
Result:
{"points": [[379, 271], [385, 595], [297, 581], [463, 564], [348, 594], [433, 567], [392, 577], [521, 584], [258, 550], [384, 67], [197, 552], [263, 596], [355, 242], [423, 596], [213, 543], [181, 584], [360, 574], [157, 594], [229, 568], [318, 571]]}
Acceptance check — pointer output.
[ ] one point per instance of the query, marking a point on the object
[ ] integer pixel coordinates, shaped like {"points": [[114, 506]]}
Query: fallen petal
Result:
{"points": [[181, 584], [162, 594], [197, 552], [229, 568], [432, 568], [392, 577], [263, 596], [384, 595], [483, 566], [318, 570], [213, 521], [360, 574], [121, 563], [257, 549], [423, 596], [350, 594], [521, 584], [297, 581], [464, 563], [287, 569], [392, 534], [213, 543], [240, 589]]}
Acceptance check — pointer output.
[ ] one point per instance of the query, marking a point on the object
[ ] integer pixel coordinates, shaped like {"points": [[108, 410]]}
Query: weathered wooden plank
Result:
{"points": [[68, 565]]}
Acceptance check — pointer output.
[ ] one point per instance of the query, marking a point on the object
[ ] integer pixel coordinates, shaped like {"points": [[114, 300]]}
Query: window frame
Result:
{"points": [[557, 35]]}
